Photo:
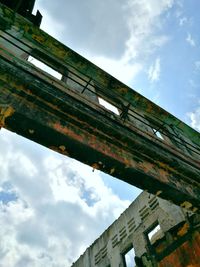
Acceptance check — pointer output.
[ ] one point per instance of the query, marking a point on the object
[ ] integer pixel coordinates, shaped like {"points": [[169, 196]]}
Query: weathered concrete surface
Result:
{"points": [[179, 235], [61, 116]]}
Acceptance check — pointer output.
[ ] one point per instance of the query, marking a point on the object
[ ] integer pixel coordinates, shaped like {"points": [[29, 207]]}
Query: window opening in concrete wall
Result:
{"points": [[158, 134], [129, 258], [153, 203], [108, 106], [44, 67], [154, 234], [144, 212]]}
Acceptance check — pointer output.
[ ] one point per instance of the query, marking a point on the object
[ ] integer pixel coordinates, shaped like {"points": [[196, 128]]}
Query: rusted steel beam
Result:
{"points": [[59, 120], [65, 115], [55, 54]]}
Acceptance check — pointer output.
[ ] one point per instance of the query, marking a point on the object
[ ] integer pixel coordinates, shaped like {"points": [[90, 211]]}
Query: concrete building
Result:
{"points": [[160, 233]]}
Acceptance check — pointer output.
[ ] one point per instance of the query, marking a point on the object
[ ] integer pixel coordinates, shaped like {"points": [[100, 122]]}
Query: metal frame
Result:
{"points": [[53, 113]]}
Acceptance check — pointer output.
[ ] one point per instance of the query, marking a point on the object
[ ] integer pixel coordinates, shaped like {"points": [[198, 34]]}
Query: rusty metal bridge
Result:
{"points": [[135, 141]]}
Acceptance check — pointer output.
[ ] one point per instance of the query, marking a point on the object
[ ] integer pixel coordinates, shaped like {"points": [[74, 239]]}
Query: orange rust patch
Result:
{"points": [[5, 112], [183, 230], [95, 166], [146, 167], [38, 38], [149, 108], [123, 90], [59, 150], [186, 205], [186, 255], [158, 193], [150, 168], [165, 166], [163, 175], [62, 148], [93, 142]]}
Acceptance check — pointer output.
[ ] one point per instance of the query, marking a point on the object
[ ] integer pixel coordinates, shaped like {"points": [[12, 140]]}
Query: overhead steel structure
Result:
{"points": [[137, 141]]}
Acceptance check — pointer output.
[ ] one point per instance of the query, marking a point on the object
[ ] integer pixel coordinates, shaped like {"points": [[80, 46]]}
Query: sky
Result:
{"points": [[53, 207]]}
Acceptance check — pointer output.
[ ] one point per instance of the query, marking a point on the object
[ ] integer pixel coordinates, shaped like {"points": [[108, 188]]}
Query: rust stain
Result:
{"points": [[95, 166], [158, 193], [38, 38], [92, 141], [186, 205], [62, 148], [184, 229], [150, 168], [5, 112], [149, 108], [146, 167], [187, 255], [164, 175], [123, 90], [165, 166], [112, 170]]}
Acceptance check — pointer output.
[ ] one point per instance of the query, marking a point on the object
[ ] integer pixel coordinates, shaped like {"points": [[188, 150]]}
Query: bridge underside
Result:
{"points": [[56, 114]]}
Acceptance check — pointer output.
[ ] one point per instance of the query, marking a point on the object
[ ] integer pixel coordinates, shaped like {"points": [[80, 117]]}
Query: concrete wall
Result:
{"points": [[130, 230]]}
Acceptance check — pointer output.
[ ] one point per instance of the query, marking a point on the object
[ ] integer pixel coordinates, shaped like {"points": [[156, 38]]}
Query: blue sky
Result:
{"points": [[52, 207]]}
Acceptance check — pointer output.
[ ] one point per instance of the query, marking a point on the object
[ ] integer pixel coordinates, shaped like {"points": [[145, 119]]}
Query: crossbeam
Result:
{"points": [[142, 144]]}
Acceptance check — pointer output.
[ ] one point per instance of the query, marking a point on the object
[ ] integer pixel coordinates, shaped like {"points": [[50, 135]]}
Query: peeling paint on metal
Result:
{"points": [[158, 193], [186, 205], [31, 131], [62, 148], [112, 171], [184, 229], [5, 112]]}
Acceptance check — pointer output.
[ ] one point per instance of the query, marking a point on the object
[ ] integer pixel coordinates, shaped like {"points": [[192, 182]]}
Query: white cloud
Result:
{"points": [[190, 40], [154, 71], [144, 21], [120, 46], [195, 118], [197, 65], [61, 205], [120, 69], [49, 23], [183, 21]]}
